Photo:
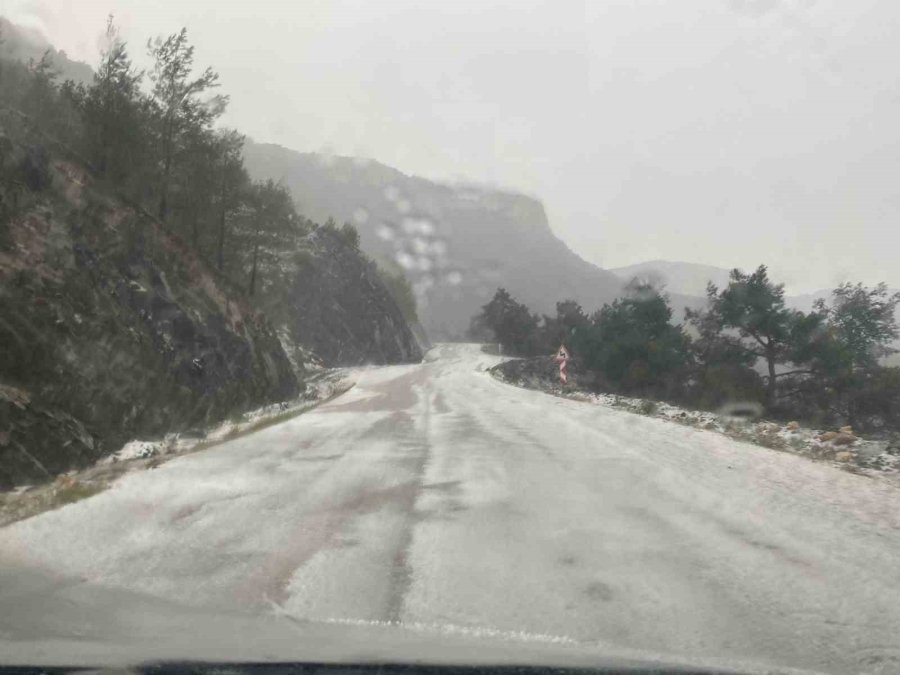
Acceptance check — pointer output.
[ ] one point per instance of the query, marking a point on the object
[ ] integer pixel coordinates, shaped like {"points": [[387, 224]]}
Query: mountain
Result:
{"points": [[456, 244]]}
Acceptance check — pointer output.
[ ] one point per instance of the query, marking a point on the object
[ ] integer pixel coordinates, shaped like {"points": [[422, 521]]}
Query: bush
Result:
{"points": [[75, 491], [716, 386], [649, 407]]}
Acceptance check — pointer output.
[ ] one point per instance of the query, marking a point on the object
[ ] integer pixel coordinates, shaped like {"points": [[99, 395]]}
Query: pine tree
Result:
{"points": [[179, 105]]}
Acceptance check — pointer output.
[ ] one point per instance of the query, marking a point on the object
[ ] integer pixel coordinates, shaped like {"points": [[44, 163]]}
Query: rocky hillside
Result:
{"points": [[115, 326], [456, 244], [334, 304], [111, 328]]}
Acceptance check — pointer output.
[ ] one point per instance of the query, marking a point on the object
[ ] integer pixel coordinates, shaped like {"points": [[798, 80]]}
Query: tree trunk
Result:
{"points": [[167, 170], [164, 190], [195, 227], [770, 384], [253, 269], [220, 255]]}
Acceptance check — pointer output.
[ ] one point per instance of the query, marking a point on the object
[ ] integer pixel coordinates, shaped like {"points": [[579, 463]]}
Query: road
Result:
{"points": [[432, 495]]}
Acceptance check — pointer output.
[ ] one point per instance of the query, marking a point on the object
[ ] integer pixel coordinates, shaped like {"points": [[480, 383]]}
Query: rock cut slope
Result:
{"points": [[111, 327]]}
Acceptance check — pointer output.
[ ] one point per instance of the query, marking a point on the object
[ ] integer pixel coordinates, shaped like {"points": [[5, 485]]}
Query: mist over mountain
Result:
{"points": [[456, 244], [678, 277], [24, 44]]}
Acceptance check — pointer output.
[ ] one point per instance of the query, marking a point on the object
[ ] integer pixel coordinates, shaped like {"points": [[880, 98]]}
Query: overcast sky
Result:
{"points": [[725, 132]]}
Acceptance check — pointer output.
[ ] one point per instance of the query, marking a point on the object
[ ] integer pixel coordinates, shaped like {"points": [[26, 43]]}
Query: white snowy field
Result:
{"points": [[433, 495]]}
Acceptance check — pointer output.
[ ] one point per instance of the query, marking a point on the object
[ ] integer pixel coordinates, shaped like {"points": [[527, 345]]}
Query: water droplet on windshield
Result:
{"points": [[405, 260], [385, 232], [361, 216]]}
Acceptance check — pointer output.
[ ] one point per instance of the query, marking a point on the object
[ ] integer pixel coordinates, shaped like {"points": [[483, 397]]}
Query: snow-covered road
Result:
{"points": [[434, 494]]}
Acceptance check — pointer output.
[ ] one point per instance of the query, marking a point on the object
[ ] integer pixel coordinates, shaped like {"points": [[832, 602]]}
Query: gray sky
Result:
{"points": [[726, 132]]}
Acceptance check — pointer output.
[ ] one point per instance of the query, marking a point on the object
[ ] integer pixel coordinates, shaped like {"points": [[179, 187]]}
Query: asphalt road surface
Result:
{"points": [[435, 497]]}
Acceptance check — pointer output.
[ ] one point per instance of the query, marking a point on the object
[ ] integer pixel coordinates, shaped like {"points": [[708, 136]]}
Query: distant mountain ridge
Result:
{"points": [[456, 244]]}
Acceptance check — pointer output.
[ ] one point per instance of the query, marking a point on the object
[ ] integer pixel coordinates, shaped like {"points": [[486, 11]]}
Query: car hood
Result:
{"points": [[51, 621]]}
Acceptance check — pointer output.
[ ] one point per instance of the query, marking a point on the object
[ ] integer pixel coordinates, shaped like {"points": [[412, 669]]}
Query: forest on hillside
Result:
{"points": [[154, 139], [825, 366]]}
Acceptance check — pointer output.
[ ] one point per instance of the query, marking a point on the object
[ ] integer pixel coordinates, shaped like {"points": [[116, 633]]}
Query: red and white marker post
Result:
{"points": [[562, 357]]}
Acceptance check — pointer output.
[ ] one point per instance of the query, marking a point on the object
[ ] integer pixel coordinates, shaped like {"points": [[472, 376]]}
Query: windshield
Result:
{"points": [[479, 332]]}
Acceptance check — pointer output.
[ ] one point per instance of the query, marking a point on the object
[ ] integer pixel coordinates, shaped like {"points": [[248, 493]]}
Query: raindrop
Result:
{"points": [[385, 232], [454, 278], [423, 285], [360, 216], [403, 206], [405, 260], [391, 193]]}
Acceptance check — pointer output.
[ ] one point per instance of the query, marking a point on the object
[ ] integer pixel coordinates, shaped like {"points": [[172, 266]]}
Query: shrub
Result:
{"points": [[649, 407], [75, 491]]}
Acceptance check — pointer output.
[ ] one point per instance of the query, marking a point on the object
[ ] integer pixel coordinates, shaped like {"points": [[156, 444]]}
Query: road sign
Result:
{"points": [[562, 356]]}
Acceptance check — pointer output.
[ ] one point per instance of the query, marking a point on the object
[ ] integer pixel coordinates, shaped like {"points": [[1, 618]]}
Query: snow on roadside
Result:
{"points": [[874, 457], [27, 500], [328, 384]]}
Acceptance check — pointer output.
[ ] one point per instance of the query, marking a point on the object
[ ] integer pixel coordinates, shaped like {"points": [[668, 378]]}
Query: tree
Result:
{"points": [[754, 306], [512, 324], [111, 110], [723, 369], [634, 345], [195, 190], [269, 223], [861, 327], [569, 326], [350, 235], [179, 105], [2, 49], [40, 96], [864, 322], [232, 179]]}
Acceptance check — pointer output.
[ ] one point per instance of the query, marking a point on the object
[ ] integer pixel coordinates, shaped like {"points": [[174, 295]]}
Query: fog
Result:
{"points": [[720, 132]]}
